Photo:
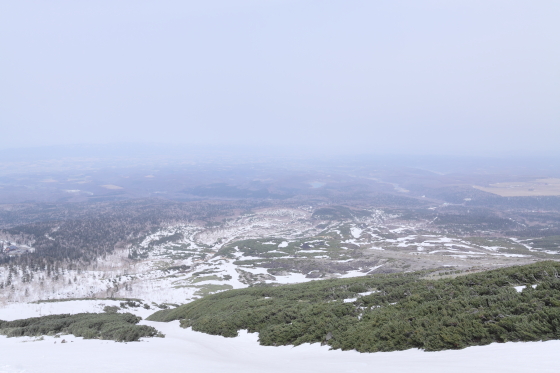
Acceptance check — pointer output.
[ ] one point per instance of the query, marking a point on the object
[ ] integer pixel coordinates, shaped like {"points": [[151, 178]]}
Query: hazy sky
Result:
{"points": [[431, 77]]}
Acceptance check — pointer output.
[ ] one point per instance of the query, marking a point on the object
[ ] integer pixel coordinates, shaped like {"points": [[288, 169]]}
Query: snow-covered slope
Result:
{"points": [[187, 351], [182, 262]]}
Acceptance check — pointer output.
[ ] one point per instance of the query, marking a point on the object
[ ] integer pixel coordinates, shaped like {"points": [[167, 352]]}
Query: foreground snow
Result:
{"points": [[185, 350]]}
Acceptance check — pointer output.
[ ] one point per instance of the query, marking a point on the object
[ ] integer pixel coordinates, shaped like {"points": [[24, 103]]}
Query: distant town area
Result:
{"points": [[12, 249]]}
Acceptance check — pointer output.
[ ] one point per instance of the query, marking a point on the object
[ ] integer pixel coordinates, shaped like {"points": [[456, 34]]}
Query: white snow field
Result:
{"points": [[183, 350]]}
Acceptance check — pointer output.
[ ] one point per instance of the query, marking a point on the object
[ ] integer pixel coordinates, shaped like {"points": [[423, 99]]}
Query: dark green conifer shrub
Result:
{"points": [[406, 311], [120, 327]]}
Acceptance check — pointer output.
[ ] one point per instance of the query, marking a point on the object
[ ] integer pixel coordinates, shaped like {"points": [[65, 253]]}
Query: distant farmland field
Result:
{"points": [[540, 187]]}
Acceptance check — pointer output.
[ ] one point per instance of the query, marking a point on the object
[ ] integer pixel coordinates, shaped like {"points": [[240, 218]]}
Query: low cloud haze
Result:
{"points": [[419, 77]]}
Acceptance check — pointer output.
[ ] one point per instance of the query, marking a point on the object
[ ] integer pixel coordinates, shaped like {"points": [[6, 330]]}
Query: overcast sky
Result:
{"points": [[429, 77]]}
